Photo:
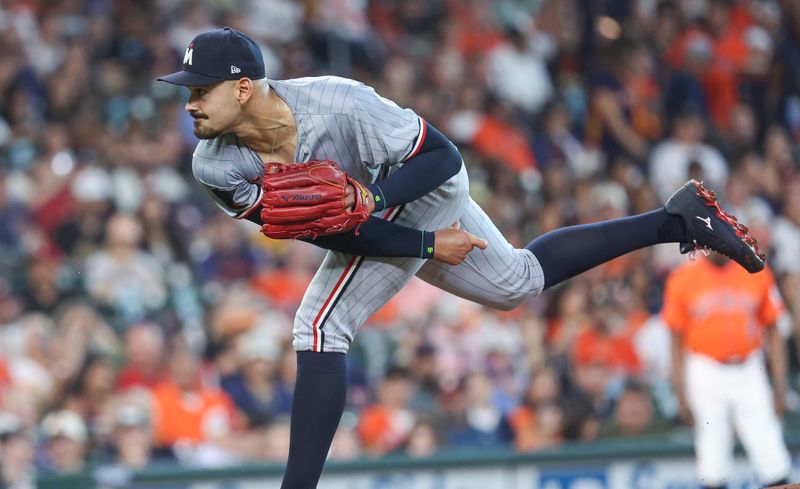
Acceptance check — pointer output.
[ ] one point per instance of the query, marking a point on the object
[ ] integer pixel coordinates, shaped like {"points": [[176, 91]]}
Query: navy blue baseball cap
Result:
{"points": [[221, 54]]}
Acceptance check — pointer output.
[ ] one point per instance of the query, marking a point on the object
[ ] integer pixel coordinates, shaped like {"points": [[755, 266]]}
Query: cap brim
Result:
{"points": [[187, 78]]}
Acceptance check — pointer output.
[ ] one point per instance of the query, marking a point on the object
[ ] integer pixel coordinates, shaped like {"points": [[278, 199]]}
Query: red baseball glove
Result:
{"points": [[306, 200]]}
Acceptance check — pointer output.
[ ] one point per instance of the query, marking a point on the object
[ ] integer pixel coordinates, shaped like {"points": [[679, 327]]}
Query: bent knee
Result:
{"points": [[511, 302]]}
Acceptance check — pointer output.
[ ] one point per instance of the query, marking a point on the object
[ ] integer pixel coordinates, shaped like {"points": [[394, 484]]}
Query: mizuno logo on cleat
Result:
{"points": [[706, 220]]}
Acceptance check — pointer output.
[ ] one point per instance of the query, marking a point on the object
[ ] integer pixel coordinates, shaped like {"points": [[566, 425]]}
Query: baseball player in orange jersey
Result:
{"points": [[414, 183], [718, 315]]}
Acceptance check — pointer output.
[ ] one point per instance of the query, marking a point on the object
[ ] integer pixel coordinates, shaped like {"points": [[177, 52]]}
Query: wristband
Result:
{"points": [[427, 244], [377, 197]]}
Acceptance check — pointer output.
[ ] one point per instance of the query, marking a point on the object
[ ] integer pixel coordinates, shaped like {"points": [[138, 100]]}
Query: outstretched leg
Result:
{"points": [[566, 252], [691, 216], [502, 276]]}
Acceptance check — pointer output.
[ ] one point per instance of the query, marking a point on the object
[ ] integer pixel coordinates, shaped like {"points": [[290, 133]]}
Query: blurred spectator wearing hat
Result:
{"points": [[66, 442], [16, 454], [252, 388], [132, 436]]}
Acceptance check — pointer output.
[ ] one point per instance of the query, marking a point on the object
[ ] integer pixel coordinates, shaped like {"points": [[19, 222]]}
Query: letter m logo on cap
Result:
{"points": [[187, 58]]}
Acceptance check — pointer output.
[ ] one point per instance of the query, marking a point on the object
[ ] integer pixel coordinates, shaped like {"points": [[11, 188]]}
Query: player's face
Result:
{"points": [[214, 109]]}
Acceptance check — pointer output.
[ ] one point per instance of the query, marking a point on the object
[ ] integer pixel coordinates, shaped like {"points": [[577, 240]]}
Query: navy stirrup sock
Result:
{"points": [[568, 251], [320, 392]]}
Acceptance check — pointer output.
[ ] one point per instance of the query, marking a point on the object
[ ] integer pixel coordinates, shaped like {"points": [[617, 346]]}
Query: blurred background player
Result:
{"points": [[719, 317]]}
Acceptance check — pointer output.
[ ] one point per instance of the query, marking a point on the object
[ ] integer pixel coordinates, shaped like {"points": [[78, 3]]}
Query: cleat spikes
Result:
{"points": [[709, 227]]}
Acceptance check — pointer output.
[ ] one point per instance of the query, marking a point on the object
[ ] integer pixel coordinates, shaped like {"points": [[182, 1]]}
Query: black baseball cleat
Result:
{"points": [[708, 227]]}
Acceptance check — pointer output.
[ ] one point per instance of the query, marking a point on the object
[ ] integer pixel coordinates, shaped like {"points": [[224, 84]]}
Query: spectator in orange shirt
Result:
{"points": [[386, 425], [718, 315], [5, 378], [538, 422], [599, 344], [185, 409]]}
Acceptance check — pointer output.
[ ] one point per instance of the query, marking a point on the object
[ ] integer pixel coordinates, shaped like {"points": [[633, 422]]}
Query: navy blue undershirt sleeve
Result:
{"points": [[437, 161], [376, 237]]}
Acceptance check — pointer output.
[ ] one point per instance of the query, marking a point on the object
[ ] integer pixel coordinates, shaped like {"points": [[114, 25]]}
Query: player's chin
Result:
{"points": [[206, 132]]}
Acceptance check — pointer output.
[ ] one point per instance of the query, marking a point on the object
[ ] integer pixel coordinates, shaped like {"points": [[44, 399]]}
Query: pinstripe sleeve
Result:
{"points": [[386, 133], [231, 181]]}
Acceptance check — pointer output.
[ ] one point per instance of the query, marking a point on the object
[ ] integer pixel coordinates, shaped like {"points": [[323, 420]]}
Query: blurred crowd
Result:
{"points": [[140, 325]]}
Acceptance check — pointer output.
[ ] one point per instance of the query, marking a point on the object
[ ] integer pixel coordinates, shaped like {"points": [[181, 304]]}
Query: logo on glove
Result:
{"points": [[298, 197]]}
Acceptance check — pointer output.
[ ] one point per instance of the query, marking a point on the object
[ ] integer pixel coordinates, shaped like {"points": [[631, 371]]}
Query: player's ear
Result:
{"points": [[244, 89]]}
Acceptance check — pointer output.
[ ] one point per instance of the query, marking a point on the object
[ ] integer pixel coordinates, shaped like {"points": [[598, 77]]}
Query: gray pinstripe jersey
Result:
{"points": [[337, 119], [348, 122]]}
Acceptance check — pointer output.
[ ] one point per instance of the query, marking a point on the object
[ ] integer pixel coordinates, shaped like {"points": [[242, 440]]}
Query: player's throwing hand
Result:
{"points": [[453, 244], [350, 198]]}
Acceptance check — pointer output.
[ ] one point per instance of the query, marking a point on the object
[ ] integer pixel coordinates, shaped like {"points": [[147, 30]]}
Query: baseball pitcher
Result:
{"points": [[329, 161]]}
